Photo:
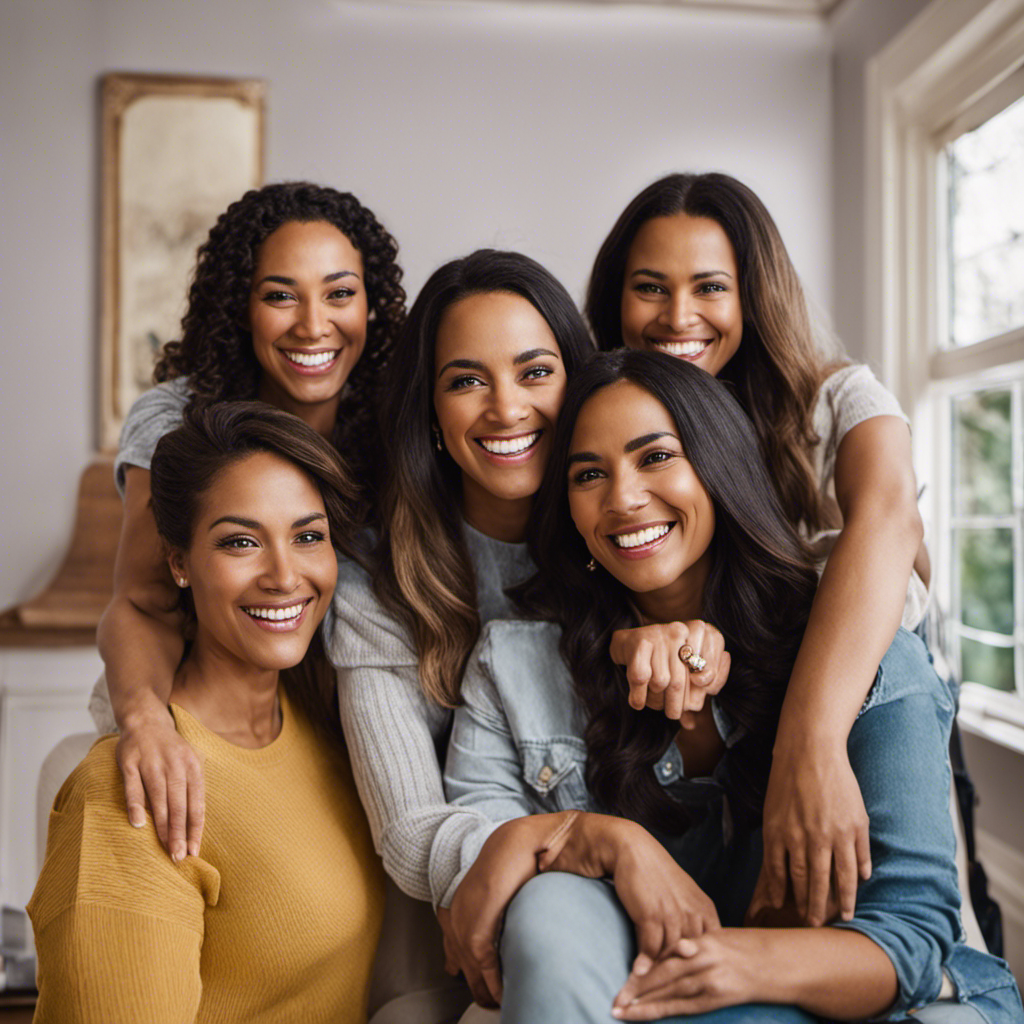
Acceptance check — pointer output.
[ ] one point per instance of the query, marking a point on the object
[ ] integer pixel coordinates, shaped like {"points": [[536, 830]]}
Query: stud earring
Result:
{"points": [[182, 582], [592, 566], [437, 439]]}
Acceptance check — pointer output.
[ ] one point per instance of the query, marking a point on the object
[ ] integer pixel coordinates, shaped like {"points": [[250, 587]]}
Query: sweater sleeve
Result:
{"points": [[118, 927], [393, 734]]}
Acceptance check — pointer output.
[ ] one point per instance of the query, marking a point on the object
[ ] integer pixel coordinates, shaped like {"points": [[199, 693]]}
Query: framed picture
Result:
{"points": [[176, 152]]}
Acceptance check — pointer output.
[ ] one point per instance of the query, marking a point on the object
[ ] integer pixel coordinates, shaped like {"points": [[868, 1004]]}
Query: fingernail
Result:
{"points": [[616, 1011], [136, 821], [178, 853], [193, 849]]}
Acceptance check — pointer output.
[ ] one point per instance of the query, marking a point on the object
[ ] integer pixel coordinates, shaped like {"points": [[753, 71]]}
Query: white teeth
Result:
{"points": [[511, 447], [682, 348], [276, 614], [311, 358], [634, 540]]}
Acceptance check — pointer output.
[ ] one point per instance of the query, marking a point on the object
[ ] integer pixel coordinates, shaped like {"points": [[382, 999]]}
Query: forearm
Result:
{"points": [[854, 617], [834, 973], [140, 654]]}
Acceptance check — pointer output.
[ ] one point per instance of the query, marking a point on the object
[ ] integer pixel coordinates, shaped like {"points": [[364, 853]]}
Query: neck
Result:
{"points": [[501, 518], [321, 416], [681, 600], [237, 701]]}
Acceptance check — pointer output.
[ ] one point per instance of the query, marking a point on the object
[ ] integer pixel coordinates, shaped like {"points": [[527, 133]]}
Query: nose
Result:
{"points": [[280, 571], [625, 494], [679, 312], [508, 405], [313, 322]]}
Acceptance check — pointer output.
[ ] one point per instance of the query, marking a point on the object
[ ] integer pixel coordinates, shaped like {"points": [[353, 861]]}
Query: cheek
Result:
{"points": [[634, 319]]}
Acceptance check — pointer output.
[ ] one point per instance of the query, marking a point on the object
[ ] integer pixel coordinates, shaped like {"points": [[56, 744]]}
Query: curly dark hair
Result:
{"points": [[215, 352]]}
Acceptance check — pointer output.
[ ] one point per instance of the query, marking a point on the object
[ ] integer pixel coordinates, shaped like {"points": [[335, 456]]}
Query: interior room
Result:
{"points": [[528, 125]]}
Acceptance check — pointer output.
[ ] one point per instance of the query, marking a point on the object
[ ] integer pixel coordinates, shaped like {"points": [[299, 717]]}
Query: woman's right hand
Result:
{"points": [[657, 675], [159, 765], [664, 903]]}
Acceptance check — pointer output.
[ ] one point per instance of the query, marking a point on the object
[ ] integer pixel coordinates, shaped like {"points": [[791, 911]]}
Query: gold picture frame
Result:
{"points": [[176, 152]]}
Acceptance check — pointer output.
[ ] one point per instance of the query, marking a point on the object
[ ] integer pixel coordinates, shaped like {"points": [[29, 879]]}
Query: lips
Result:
{"points": [[510, 449], [278, 618], [311, 363], [640, 541], [681, 348]]}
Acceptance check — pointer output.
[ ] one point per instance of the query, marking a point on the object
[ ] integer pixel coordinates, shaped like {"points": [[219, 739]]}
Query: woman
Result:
{"points": [[278, 919], [296, 300], [695, 268], [680, 520]]}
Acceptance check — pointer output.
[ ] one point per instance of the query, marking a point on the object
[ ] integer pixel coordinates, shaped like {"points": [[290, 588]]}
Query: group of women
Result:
{"points": [[650, 608]]}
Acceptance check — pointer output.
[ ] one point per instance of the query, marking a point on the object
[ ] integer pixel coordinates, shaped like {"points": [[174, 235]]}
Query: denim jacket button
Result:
{"points": [[544, 776]]}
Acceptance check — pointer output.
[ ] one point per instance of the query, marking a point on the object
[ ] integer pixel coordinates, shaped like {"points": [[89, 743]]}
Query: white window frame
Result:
{"points": [[951, 68]]}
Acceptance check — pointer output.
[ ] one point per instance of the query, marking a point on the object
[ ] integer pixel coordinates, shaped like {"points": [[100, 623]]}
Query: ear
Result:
{"points": [[179, 570]]}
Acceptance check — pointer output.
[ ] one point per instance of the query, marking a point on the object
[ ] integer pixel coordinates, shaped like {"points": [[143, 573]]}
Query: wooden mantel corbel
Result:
{"points": [[68, 611]]}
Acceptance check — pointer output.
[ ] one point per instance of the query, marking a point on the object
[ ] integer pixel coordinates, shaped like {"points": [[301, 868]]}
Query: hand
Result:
{"points": [[658, 677], [156, 762], [506, 862], [662, 900], [700, 974], [814, 818]]}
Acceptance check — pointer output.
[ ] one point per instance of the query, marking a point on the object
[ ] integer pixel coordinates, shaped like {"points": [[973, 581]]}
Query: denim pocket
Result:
{"points": [[553, 772]]}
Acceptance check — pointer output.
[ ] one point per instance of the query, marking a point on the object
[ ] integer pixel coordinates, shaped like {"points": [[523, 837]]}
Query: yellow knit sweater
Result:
{"points": [[276, 921]]}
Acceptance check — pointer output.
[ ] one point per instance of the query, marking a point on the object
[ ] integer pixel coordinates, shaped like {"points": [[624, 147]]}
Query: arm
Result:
{"points": [[813, 809], [140, 641], [835, 974]]}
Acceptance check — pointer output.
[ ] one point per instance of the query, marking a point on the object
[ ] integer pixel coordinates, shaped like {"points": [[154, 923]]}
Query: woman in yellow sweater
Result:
{"points": [[278, 920]]}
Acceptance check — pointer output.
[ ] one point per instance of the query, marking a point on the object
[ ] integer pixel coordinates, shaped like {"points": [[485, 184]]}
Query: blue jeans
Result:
{"points": [[568, 944]]}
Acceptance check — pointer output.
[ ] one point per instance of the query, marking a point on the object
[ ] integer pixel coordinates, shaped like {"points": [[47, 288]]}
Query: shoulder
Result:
{"points": [[155, 413], [358, 629], [849, 396], [95, 781]]}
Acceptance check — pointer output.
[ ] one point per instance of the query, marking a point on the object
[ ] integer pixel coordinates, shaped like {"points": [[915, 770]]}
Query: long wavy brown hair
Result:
{"points": [[215, 351], [777, 370], [424, 574]]}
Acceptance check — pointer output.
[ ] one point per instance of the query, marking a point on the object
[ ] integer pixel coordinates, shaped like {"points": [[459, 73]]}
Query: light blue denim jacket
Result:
{"points": [[517, 748]]}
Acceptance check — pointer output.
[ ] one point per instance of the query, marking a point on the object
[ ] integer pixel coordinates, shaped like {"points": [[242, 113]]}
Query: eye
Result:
{"points": [[340, 294], [708, 287], [538, 372], [655, 457], [585, 476], [311, 537], [460, 383], [275, 298], [649, 288], [237, 542]]}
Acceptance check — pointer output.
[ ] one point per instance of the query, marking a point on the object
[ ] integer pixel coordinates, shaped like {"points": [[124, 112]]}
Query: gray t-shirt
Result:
{"points": [[157, 412]]}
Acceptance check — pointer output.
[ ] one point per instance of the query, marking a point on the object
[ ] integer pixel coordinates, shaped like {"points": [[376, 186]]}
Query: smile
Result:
{"points": [[510, 445], [312, 360], [640, 538], [283, 617], [685, 349]]}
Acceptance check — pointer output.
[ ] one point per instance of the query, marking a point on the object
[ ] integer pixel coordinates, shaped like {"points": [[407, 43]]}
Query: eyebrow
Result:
{"points": [[700, 276], [629, 446], [474, 364], [252, 524], [291, 282]]}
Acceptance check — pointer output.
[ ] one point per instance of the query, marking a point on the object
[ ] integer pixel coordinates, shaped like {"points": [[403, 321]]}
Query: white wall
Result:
{"points": [[461, 125]]}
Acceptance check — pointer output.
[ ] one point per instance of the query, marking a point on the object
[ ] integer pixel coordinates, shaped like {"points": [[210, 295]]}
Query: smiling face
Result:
{"points": [[498, 386], [261, 565], [680, 291], [637, 502], [307, 314]]}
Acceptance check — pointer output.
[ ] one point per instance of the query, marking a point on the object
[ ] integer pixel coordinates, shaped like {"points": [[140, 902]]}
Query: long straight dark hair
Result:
{"points": [[424, 575], [778, 370], [758, 593]]}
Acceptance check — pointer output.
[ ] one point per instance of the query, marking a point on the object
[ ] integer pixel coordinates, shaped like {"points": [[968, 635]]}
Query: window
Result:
{"points": [[946, 230]]}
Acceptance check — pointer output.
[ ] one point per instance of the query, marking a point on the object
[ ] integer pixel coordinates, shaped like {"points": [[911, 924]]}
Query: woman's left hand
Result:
{"points": [[658, 672], [698, 975]]}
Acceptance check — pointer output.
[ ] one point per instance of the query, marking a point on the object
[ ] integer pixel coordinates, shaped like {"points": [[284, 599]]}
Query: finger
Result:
{"points": [[650, 937], [196, 808], [688, 720], [819, 882], [656, 701], [638, 675], [775, 878], [674, 971], [490, 973], [863, 847], [695, 697], [846, 879], [676, 700], [721, 675], [177, 814], [662, 659], [134, 796], [156, 793], [798, 876]]}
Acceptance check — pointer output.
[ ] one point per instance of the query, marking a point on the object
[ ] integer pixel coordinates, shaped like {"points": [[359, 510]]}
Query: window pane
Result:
{"points": [[986, 228], [981, 663], [983, 453], [986, 578]]}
